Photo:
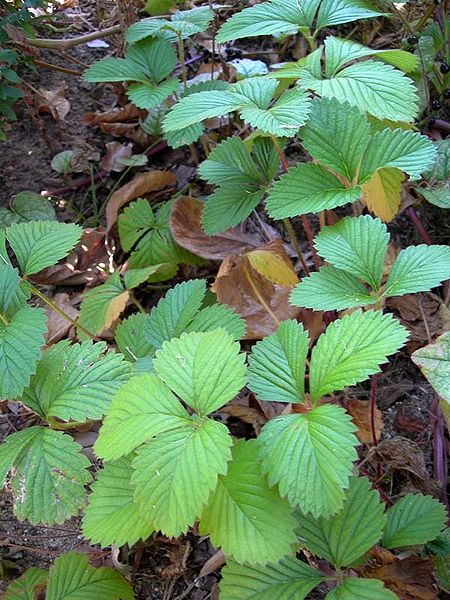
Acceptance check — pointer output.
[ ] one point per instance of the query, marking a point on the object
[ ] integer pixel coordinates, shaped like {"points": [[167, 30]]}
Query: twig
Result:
{"points": [[52, 67], [76, 41]]}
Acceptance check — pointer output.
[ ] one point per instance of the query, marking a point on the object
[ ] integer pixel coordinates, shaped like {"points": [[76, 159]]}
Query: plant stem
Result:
{"points": [[419, 226], [439, 454], [58, 310], [54, 424], [294, 240], [182, 60], [76, 41]]}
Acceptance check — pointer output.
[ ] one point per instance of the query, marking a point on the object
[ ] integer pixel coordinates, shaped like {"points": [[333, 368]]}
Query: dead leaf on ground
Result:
{"points": [[86, 263], [57, 326], [53, 102], [129, 112], [247, 414], [257, 286], [185, 225], [142, 184], [411, 578], [360, 413], [121, 122], [414, 309], [214, 563], [114, 152]]}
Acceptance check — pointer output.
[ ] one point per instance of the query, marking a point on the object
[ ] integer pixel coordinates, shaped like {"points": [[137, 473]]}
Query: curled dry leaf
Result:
{"points": [[185, 225], [114, 152], [121, 122], [53, 102], [142, 184], [257, 285], [411, 578], [214, 563], [360, 413], [57, 326]]}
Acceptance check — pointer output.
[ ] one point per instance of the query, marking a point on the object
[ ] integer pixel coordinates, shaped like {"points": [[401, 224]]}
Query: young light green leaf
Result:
{"points": [[130, 338], [308, 188], [218, 316], [310, 457], [351, 349], [414, 519], [46, 473], [21, 340], [352, 588], [336, 135], [113, 517], [24, 587], [434, 362], [245, 516], [186, 22], [183, 362], [418, 269], [357, 245], [75, 382], [39, 244], [72, 578], [277, 364], [348, 535], [141, 409], [331, 289], [176, 472]]}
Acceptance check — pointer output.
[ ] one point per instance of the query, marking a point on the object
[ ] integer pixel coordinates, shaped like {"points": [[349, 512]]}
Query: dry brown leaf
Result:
{"points": [[57, 326], [114, 152], [260, 302], [414, 309], [187, 231], [53, 102], [214, 563], [129, 112], [360, 413], [411, 578], [247, 414], [142, 184]]}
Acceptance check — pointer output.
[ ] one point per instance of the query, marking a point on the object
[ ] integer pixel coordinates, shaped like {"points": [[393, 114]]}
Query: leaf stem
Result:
{"points": [[54, 424], [3, 319]]}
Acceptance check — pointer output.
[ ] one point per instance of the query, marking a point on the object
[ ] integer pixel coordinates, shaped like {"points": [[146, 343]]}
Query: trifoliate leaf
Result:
{"points": [[308, 188], [21, 340], [277, 364], [130, 338], [336, 135], [414, 519], [39, 244], [141, 409], [113, 517], [176, 472], [245, 516], [310, 457], [24, 587], [72, 578], [46, 474], [183, 363], [351, 349], [175, 311], [382, 193], [418, 269], [348, 535], [356, 245], [434, 362], [352, 588], [330, 289], [290, 578], [75, 382], [218, 316]]}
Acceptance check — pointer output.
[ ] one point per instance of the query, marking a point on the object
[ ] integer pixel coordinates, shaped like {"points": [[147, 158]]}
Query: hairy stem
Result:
{"points": [[182, 60]]}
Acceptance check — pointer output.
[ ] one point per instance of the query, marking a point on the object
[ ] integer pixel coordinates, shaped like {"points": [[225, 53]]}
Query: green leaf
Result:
{"points": [[352, 588], [154, 56], [140, 410], [21, 339], [72, 578], [308, 188], [134, 222], [32, 207], [23, 588], [348, 535], [218, 316], [147, 95], [184, 362], [414, 519], [330, 289], [114, 69], [228, 206], [130, 338], [113, 517], [277, 364], [441, 168], [408, 151], [186, 22], [46, 473], [351, 349], [310, 457], [75, 382], [439, 195], [176, 472], [40, 244], [418, 269], [246, 67], [335, 12], [245, 516], [357, 245], [175, 312], [434, 362], [11, 295], [288, 579], [336, 135]]}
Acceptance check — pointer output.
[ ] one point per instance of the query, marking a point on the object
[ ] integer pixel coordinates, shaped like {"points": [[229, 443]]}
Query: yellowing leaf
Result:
{"points": [[382, 194], [274, 265]]}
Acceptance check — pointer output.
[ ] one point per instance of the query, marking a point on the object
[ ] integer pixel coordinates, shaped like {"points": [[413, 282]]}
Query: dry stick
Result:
{"points": [[76, 41], [46, 65]]}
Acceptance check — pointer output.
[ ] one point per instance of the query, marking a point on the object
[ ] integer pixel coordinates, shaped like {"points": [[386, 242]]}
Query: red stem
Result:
{"points": [[439, 454], [419, 226]]}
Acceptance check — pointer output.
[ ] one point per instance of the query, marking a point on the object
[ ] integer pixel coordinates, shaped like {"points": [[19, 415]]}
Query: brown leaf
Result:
{"points": [[142, 184], [411, 578], [214, 563], [252, 416], [114, 152], [57, 326], [360, 413], [262, 303], [185, 225], [131, 131], [129, 112], [414, 309], [53, 102]]}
